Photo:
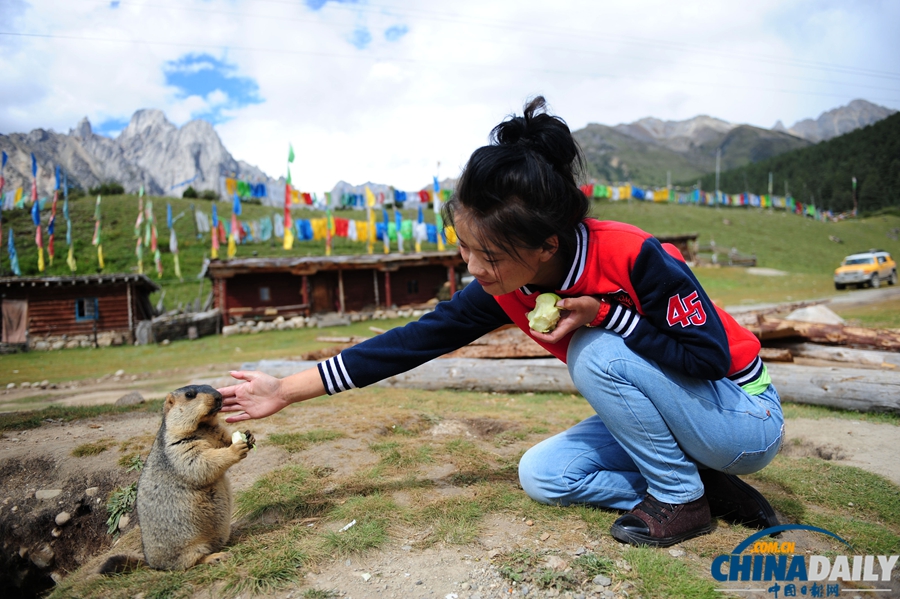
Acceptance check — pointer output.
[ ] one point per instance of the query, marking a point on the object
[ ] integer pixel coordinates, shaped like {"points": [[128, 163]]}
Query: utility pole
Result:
{"points": [[718, 159], [854, 196]]}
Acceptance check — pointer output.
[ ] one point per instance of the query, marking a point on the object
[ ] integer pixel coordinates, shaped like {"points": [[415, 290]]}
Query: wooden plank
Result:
{"points": [[832, 353], [860, 389]]}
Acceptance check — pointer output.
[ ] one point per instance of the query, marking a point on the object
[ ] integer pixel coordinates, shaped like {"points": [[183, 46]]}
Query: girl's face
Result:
{"points": [[497, 271]]}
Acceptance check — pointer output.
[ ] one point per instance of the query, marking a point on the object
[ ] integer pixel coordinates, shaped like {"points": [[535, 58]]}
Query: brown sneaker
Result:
{"points": [[734, 501], [659, 524]]}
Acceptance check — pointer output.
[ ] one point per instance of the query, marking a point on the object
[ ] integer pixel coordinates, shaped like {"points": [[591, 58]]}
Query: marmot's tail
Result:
{"points": [[119, 564]]}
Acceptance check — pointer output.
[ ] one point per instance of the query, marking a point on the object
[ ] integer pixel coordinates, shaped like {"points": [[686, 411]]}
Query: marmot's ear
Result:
{"points": [[170, 402]]}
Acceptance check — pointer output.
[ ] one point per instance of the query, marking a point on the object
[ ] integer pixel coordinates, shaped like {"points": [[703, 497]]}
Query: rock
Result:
{"points": [[366, 576], [91, 491], [26, 385], [231, 329], [676, 552], [63, 518], [602, 581], [47, 493], [119, 372], [44, 384], [57, 345], [130, 399], [554, 562], [41, 346], [43, 556], [55, 533], [124, 521], [11, 386], [818, 314]]}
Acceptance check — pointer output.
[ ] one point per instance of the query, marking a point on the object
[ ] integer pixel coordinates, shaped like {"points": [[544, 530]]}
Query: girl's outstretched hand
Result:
{"points": [[576, 312], [259, 396]]}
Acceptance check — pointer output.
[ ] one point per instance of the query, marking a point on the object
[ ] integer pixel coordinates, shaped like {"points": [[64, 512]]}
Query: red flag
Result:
{"points": [[287, 206], [235, 227], [34, 191]]}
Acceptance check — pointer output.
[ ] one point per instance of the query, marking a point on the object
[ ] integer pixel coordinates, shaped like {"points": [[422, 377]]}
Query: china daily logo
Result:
{"points": [[784, 573]]}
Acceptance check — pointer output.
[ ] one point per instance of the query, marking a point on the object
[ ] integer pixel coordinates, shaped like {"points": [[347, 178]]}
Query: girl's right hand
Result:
{"points": [[259, 396]]}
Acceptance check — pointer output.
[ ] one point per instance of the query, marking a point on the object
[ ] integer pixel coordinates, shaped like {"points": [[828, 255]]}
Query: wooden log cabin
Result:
{"points": [[74, 311], [264, 288]]}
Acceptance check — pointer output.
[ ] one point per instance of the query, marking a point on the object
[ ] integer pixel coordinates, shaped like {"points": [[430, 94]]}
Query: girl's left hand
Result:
{"points": [[576, 312]]}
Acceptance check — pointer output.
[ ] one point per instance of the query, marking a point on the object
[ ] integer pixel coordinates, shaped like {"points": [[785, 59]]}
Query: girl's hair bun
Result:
{"points": [[541, 133]]}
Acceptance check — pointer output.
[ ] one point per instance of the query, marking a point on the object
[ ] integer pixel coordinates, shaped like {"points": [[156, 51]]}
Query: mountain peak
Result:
{"points": [[147, 120], [838, 121], [82, 130]]}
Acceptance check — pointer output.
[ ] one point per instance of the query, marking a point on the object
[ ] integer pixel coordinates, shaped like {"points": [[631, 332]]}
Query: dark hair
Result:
{"points": [[521, 189]]}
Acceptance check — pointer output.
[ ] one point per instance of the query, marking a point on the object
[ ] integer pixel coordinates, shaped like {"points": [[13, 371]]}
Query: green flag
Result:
{"points": [[290, 153]]}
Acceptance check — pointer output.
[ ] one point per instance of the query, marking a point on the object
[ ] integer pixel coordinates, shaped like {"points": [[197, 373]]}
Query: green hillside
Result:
{"points": [[797, 245], [613, 156], [823, 173]]}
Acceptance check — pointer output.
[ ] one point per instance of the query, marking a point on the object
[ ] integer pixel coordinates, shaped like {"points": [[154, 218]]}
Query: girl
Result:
{"points": [[683, 401]]}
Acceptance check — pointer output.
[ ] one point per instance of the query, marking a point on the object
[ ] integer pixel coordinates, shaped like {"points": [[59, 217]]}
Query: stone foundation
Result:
{"points": [[104, 339], [249, 327]]}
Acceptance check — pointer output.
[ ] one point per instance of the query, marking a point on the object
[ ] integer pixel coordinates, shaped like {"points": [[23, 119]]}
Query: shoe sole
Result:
{"points": [[636, 538], [770, 519]]}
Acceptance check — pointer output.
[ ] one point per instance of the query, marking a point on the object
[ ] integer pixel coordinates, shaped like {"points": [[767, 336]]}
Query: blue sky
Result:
{"points": [[398, 92]]}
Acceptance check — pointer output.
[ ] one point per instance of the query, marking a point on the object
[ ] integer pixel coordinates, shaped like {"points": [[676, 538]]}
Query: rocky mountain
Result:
{"points": [[838, 121], [150, 151], [650, 150]]}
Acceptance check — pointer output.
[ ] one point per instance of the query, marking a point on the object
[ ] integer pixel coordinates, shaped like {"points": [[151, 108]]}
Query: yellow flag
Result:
{"points": [[214, 253], [370, 197], [451, 235], [232, 247], [288, 238], [100, 256], [41, 259], [71, 259]]}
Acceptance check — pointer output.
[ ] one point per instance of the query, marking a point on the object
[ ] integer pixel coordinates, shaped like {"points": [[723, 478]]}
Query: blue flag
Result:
{"points": [[215, 217], [168, 215], [36, 213], [421, 216], [33, 165], [13, 257], [5, 158], [57, 177], [237, 204]]}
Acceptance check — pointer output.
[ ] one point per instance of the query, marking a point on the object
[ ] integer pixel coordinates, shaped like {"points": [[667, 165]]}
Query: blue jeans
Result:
{"points": [[654, 428]]}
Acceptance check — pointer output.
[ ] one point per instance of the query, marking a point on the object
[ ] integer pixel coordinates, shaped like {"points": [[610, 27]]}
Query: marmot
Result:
{"points": [[183, 494]]}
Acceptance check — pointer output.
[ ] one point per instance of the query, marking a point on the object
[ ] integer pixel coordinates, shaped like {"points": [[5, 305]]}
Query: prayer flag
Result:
{"points": [[33, 165], [290, 153], [100, 257], [71, 259], [236, 206], [13, 256], [385, 235]]}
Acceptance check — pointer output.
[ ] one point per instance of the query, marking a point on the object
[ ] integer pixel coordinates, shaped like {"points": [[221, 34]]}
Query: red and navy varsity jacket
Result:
{"points": [[659, 309]]}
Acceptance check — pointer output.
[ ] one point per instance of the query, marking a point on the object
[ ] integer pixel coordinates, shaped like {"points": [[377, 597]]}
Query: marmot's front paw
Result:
{"points": [[239, 445], [251, 440]]}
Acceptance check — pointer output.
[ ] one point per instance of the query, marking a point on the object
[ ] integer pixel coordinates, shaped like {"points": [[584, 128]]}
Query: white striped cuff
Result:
{"points": [[334, 375]]}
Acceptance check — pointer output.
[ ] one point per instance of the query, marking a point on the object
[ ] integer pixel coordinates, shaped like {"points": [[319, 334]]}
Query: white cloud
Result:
{"points": [[389, 112]]}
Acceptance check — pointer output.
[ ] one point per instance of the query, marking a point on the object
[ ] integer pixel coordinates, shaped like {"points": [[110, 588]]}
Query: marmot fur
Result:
{"points": [[183, 494]]}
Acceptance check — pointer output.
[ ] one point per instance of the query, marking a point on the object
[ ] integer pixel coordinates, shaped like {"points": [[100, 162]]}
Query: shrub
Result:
{"points": [[190, 192], [209, 194], [108, 188]]}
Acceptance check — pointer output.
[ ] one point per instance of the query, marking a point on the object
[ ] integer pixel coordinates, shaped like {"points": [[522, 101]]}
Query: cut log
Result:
{"points": [[831, 353], [864, 390], [830, 334], [775, 354], [509, 342], [859, 389]]}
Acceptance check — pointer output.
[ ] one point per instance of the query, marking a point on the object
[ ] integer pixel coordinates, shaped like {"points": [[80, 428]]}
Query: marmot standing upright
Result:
{"points": [[183, 495]]}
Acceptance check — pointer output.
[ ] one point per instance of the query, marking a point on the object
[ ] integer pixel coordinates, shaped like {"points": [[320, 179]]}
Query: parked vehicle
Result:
{"points": [[866, 269]]}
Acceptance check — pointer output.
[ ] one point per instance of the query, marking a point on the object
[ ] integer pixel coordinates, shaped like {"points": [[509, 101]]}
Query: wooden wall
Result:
{"points": [[51, 309], [412, 285]]}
